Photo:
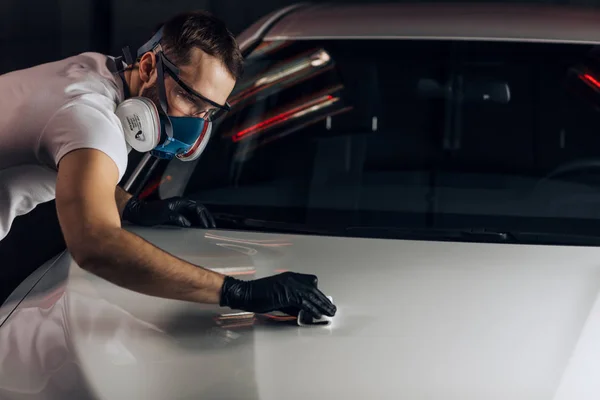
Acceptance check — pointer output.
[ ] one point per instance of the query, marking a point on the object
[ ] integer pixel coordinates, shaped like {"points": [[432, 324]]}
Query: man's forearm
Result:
{"points": [[121, 197], [129, 261]]}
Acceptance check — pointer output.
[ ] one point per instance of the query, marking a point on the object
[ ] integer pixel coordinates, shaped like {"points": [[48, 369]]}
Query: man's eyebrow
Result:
{"points": [[186, 81]]}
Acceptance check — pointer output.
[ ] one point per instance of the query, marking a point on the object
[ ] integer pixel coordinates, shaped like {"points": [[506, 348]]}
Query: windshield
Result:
{"points": [[405, 134]]}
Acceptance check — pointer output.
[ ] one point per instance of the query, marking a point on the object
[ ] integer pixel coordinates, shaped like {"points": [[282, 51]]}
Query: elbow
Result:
{"points": [[85, 258], [91, 250]]}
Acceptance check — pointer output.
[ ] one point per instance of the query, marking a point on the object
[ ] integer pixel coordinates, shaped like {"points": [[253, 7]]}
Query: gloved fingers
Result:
{"points": [[179, 220], [200, 214], [309, 308], [207, 220], [188, 207], [321, 301], [209, 217], [308, 290]]}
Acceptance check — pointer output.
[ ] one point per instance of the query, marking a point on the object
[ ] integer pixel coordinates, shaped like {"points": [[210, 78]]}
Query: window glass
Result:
{"points": [[407, 134]]}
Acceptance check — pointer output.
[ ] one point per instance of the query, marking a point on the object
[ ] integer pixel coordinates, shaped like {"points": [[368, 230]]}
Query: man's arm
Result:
{"points": [[89, 218]]}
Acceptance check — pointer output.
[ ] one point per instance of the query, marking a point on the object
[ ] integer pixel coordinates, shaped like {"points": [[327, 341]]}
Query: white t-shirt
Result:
{"points": [[46, 112]]}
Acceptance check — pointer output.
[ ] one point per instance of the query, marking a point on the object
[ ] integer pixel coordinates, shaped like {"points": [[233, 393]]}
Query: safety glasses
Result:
{"points": [[188, 101]]}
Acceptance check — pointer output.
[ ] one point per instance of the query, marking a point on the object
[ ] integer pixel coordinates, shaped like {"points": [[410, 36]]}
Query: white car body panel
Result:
{"points": [[416, 319]]}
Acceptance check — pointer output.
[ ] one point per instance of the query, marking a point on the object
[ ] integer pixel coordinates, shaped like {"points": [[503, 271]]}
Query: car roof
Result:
{"points": [[499, 22]]}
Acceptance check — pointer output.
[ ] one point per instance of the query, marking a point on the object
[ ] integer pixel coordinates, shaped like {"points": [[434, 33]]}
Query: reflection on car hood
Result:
{"points": [[416, 319]]}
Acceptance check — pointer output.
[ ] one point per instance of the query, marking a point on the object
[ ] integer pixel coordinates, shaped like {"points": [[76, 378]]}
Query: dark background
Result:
{"points": [[37, 31]]}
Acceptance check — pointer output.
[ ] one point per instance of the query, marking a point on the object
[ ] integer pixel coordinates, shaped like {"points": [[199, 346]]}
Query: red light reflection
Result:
{"points": [[277, 119], [590, 80], [152, 187]]}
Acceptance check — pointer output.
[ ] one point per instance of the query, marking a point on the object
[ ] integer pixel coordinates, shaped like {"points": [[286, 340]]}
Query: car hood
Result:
{"points": [[416, 319]]}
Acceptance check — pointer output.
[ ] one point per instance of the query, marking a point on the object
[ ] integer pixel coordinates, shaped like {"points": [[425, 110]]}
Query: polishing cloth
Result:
{"points": [[304, 320]]}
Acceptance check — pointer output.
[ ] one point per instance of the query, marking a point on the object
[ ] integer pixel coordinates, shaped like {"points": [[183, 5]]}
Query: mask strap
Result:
{"points": [[111, 64], [150, 44], [162, 95], [128, 60], [126, 90]]}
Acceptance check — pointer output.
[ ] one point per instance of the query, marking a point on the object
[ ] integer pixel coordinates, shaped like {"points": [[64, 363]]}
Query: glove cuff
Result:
{"points": [[231, 292]]}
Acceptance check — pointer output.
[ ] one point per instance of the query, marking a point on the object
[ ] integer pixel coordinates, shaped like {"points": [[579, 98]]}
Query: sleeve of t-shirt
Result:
{"points": [[87, 122]]}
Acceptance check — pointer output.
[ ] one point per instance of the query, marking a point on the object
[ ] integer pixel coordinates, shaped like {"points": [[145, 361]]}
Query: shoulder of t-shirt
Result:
{"points": [[84, 116], [91, 72]]}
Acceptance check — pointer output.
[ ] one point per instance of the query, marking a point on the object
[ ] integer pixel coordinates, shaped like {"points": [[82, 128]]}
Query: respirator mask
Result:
{"points": [[148, 127]]}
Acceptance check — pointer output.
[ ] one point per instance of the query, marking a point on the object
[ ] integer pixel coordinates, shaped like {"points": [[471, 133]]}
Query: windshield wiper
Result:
{"points": [[470, 234], [236, 221], [478, 235]]}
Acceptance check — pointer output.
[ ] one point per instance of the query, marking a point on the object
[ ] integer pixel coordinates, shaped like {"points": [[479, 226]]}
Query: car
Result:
{"points": [[435, 165]]}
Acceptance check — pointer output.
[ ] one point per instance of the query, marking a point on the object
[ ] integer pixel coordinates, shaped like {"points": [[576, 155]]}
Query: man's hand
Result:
{"points": [[174, 211], [286, 291]]}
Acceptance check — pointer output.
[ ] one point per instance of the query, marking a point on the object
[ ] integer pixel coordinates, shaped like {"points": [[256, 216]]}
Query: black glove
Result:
{"points": [[173, 211], [286, 291]]}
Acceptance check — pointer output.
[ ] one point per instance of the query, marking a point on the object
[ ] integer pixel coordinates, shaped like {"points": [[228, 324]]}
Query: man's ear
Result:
{"points": [[147, 68]]}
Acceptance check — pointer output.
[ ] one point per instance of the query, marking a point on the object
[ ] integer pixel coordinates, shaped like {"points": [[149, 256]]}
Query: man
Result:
{"points": [[65, 131]]}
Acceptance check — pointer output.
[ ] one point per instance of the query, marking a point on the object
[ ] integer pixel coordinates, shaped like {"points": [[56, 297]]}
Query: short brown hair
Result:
{"points": [[203, 30]]}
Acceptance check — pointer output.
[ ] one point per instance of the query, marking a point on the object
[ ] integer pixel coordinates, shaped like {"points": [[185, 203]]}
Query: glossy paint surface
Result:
{"points": [[520, 22], [426, 320]]}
